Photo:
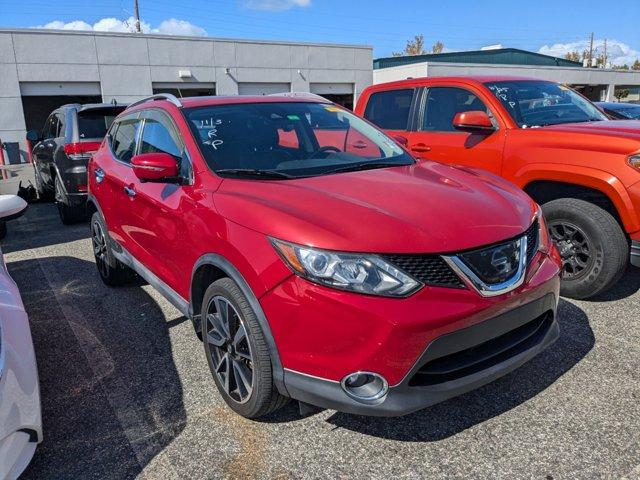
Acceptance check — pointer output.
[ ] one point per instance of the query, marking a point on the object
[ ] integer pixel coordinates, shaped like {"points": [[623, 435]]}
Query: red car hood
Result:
{"points": [[426, 208]]}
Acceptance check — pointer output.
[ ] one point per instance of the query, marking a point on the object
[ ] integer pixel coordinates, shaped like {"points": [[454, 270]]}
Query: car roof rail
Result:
{"points": [[159, 96], [309, 95]]}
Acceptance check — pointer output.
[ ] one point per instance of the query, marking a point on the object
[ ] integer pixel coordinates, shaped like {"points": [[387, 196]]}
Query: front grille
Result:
{"points": [[483, 356], [533, 240], [428, 269], [435, 271]]}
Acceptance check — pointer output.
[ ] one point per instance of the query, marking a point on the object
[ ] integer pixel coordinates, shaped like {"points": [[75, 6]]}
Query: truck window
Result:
{"points": [[443, 103], [390, 110]]}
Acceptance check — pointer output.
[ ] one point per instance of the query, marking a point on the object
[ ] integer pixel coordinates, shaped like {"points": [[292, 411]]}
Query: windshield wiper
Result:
{"points": [[253, 172], [364, 166]]}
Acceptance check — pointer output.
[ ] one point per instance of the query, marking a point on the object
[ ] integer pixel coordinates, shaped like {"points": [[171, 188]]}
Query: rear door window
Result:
{"points": [[123, 143], [94, 123], [390, 110]]}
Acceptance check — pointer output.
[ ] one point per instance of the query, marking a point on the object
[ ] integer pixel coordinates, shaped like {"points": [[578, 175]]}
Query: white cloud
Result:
{"points": [[275, 4], [179, 27], [171, 26], [618, 53]]}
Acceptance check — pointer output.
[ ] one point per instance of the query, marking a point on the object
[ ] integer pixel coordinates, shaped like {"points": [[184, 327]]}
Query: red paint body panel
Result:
{"points": [[592, 155]]}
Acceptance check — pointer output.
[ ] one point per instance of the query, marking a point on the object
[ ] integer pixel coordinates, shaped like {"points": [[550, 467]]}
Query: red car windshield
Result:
{"points": [[290, 139], [533, 103]]}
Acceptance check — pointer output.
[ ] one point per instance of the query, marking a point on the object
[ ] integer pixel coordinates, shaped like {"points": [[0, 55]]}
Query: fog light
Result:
{"points": [[365, 387]]}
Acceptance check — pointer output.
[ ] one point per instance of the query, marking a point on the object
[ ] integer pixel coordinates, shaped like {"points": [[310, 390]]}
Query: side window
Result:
{"points": [[159, 137], [124, 139], [50, 129], [61, 122], [390, 110], [443, 103]]}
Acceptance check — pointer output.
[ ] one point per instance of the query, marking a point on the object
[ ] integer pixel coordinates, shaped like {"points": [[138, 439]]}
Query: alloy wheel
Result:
{"points": [[229, 349], [99, 242], [575, 248]]}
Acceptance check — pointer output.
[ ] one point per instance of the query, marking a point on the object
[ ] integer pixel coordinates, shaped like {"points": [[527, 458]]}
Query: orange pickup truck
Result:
{"points": [[550, 141]]}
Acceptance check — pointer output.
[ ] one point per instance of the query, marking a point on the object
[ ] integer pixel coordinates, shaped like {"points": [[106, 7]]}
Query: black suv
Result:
{"points": [[61, 151]]}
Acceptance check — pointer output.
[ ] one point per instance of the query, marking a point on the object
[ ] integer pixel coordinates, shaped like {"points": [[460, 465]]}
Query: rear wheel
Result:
{"points": [[237, 352], [44, 194], [593, 246], [112, 272], [69, 213]]}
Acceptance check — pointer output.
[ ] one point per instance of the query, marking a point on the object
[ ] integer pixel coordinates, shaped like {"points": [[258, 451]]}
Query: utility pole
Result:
{"points": [[137, 15], [590, 48], [604, 61]]}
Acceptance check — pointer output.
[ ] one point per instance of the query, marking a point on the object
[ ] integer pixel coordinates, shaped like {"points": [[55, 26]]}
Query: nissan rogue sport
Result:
{"points": [[317, 260]]}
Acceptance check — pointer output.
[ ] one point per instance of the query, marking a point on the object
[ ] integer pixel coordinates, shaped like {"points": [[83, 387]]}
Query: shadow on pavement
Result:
{"points": [[453, 416], [627, 286], [111, 395], [42, 229]]}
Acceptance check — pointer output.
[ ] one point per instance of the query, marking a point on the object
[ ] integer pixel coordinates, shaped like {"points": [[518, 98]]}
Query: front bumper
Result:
{"points": [[323, 335], [518, 344], [20, 416]]}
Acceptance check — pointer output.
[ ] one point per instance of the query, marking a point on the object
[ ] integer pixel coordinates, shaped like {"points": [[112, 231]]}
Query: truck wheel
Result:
{"points": [[112, 272], [69, 213], [237, 352], [593, 247]]}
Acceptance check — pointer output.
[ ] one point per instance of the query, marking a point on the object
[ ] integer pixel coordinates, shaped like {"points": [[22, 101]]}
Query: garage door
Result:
{"points": [[331, 88], [37, 89], [262, 88]]}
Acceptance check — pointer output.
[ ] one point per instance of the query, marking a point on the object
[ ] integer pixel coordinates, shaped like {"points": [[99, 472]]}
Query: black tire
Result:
{"points": [[594, 247], [69, 213], [112, 272], [3, 229], [263, 396]]}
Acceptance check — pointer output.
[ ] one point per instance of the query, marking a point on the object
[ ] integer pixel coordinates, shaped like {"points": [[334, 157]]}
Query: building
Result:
{"points": [[43, 69], [595, 83]]}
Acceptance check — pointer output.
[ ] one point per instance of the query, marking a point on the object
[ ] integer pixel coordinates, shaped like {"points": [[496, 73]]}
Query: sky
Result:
{"points": [[547, 26]]}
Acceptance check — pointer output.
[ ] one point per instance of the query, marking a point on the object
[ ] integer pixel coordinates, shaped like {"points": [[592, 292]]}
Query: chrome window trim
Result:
{"points": [[473, 281]]}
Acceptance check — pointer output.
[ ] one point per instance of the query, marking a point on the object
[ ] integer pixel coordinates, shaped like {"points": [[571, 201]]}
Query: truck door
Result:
{"points": [[435, 137]]}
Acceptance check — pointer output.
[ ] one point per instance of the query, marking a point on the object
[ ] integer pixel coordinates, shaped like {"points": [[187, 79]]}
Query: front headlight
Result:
{"points": [[634, 162], [347, 271]]}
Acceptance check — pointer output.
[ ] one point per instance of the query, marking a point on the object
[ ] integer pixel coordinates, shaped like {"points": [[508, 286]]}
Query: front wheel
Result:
{"points": [[593, 246], [237, 352]]}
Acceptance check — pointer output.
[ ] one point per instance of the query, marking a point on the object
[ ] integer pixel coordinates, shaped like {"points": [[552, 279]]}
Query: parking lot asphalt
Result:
{"points": [[126, 392]]}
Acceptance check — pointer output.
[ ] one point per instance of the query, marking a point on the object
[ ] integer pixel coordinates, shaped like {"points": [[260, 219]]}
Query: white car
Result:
{"points": [[20, 418]]}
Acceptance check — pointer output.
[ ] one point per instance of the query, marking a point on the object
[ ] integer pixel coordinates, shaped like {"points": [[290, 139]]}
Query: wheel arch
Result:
{"points": [[595, 186], [211, 267]]}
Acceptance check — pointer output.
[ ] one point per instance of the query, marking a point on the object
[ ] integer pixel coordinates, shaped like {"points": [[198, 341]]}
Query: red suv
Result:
{"points": [[317, 260]]}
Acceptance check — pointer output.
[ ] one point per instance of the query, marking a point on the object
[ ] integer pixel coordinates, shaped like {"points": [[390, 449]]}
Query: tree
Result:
{"points": [[413, 47], [437, 47], [636, 65], [573, 56], [621, 93]]}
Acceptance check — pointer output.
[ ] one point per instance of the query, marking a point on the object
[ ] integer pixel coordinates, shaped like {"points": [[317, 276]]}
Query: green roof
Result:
{"points": [[500, 56]]}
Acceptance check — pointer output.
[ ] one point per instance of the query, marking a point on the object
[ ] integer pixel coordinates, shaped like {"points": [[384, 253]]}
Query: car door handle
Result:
{"points": [[130, 191], [99, 174], [420, 148]]}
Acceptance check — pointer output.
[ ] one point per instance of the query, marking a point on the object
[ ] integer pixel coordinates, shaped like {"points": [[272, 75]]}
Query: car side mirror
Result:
{"points": [[474, 121], [400, 140], [33, 136], [155, 167], [11, 206]]}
